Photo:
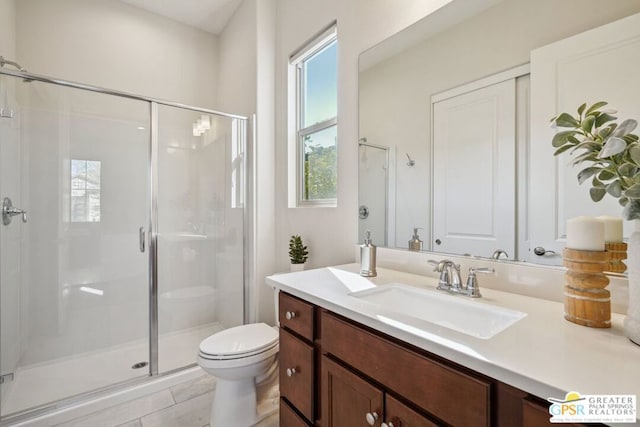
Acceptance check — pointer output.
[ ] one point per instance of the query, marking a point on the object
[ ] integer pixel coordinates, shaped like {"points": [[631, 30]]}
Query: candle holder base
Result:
{"points": [[586, 302], [617, 252]]}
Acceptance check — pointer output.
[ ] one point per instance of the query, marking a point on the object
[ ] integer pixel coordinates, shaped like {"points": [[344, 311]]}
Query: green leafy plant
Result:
{"points": [[297, 251], [609, 150], [320, 166]]}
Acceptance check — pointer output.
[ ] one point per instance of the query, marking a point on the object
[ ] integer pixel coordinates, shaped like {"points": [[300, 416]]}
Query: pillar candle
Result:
{"points": [[585, 233], [612, 229]]}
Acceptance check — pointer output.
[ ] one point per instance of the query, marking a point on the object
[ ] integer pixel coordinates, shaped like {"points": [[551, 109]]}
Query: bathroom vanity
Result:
{"points": [[347, 359]]}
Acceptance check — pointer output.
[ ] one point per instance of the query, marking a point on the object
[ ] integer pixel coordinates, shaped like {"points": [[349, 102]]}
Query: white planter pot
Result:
{"points": [[632, 322], [297, 267]]}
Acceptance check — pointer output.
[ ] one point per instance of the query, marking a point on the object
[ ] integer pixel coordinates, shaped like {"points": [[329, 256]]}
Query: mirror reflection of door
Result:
{"points": [[373, 179], [565, 74], [474, 175]]}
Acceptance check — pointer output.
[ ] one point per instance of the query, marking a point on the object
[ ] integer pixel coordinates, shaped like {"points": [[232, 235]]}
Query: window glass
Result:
{"points": [[320, 86], [85, 191], [320, 164]]}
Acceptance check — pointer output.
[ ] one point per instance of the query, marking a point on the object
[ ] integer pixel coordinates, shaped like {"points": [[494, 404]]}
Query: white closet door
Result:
{"points": [[474, 171], [598, 65]]}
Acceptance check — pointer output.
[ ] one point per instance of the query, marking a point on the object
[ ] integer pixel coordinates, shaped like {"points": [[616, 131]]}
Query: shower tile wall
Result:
{"points": [[10, 236], [200, 232]]}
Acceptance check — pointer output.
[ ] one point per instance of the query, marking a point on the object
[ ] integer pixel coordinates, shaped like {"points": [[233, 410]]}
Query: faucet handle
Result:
{"points": [[473, 287], [444, 283], [436, 265]]}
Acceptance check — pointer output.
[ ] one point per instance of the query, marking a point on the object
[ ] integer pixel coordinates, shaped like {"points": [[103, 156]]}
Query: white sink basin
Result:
{"points": [[456, 312]]}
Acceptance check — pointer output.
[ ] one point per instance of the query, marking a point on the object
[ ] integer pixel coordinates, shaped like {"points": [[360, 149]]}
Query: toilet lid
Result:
{"points": [[240, 340]]}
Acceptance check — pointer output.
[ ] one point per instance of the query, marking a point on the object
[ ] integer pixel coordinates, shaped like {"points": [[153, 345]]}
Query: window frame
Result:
{"points": [[316, 45]]}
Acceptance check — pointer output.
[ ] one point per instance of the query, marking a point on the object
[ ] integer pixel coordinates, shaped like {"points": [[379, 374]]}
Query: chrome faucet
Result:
{"points": [[451, 282]]}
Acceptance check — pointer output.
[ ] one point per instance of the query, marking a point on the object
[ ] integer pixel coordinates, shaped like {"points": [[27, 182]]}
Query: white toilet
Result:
{"points": [[244, 361]]}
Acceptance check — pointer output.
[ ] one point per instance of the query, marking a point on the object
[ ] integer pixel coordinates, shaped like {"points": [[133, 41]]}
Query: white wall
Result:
{"points": [[246, 86], [8, 29], [395, 94], [114, 45], [265, 161], [236, 93], [236, 85]]}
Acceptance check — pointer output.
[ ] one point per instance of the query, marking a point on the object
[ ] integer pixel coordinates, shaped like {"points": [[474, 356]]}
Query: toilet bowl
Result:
{"points": [[243, 359]]}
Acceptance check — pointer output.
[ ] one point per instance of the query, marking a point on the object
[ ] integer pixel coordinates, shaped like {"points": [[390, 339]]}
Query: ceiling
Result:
{"points": [[207, 15]]}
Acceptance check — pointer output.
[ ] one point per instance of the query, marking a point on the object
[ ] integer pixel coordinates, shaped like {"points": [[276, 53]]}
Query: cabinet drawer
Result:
{"points": [[297, 373], [454, 397], [289, 418], [296, 315]]}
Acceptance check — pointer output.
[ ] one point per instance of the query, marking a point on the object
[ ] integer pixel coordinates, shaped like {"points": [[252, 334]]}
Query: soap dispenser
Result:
{"points": [[368, 257], [415, 244]]}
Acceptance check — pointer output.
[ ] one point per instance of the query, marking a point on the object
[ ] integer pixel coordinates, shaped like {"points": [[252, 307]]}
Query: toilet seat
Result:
{"points": [[240, 342]]}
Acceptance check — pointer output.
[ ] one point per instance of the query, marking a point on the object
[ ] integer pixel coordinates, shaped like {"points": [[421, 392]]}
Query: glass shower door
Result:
{"points": [[76, 273]]}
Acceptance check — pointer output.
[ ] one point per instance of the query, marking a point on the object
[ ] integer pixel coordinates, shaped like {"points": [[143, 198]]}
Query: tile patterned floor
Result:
{"points": [[183, 405]]}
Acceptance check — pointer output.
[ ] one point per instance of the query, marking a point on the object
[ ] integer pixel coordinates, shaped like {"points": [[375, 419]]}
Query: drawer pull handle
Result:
{"points": [[290, 315], [386, 425], [291, 372], [371, 418]]}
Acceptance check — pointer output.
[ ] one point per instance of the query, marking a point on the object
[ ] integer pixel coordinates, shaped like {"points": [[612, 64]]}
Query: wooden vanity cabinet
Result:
{"points": [[344, 371]]}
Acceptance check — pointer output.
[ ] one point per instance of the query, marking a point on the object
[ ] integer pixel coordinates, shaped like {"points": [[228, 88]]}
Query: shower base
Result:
{"points": [[36, 385]]}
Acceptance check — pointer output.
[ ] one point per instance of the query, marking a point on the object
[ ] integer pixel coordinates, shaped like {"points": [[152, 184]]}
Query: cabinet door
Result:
{"points": [[397, 414], [347, 399]]}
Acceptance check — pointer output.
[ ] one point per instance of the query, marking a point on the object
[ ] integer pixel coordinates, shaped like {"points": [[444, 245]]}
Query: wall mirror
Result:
{"points": [[454, 123]]}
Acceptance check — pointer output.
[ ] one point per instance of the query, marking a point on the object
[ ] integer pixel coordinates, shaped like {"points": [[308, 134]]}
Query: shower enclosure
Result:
{"points": [[122, 242]]}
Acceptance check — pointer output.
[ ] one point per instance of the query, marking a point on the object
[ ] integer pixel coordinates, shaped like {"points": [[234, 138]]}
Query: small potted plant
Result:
{"points": [[297, 253]]}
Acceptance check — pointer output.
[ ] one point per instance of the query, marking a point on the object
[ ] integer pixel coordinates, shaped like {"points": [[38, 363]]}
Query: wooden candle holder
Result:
{"points": [[617, 252], [586, 301]]}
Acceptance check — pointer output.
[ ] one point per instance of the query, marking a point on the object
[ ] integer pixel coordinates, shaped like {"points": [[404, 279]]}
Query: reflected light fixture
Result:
{"points": [[201, 125]]}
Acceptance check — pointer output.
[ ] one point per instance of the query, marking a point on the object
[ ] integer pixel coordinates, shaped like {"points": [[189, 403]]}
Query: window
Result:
{"points": [[85, 191], [316, 113]]}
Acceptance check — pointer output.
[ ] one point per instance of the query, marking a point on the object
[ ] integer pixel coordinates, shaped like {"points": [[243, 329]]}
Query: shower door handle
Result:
{"points": [[141, 236], [8, 211]]}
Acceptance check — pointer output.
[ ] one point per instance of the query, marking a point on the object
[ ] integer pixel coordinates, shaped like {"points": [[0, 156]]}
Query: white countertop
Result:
{"points": [[542, 353]]}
